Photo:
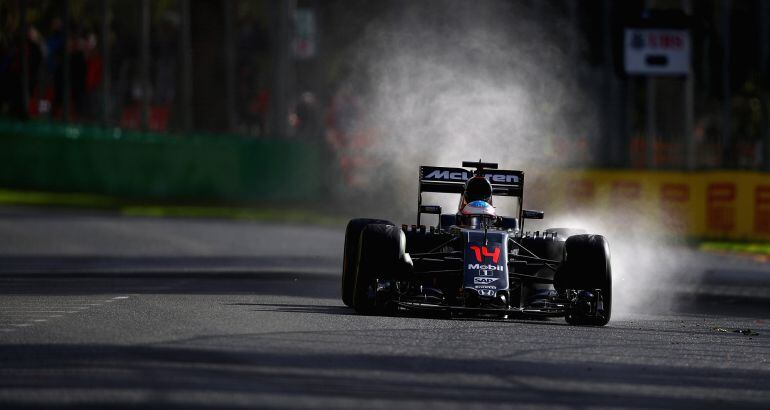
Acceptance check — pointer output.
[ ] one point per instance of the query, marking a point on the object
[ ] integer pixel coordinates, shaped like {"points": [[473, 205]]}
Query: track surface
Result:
{"points": [[102, 311]]}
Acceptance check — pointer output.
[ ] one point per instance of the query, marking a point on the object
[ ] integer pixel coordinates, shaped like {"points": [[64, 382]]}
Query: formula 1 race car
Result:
{"points": [[474, 262]]}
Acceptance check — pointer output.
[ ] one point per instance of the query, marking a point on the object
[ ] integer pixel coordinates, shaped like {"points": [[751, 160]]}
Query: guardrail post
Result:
{"points": [[106, 66], [66, 91], [186, 57], [145, 64]]}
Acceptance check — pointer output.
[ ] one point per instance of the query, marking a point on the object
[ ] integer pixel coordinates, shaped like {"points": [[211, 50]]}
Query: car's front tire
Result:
{"points": [[351, 254], [381, 256]]}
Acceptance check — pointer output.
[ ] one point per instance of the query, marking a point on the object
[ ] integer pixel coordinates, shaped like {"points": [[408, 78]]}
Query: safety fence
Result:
{"points": [[708, 204], [56, 157]]}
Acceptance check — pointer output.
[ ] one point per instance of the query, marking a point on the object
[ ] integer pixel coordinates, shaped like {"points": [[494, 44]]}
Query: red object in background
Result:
{"points": [[94, 66], [762, 209], [40, 103], [720, 206], [664, 153], [131, 117]]}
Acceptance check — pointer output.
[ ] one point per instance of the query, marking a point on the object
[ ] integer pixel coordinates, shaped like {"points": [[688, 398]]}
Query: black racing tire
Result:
{"points": [[587, 267], [351, 254], [381, 249]]}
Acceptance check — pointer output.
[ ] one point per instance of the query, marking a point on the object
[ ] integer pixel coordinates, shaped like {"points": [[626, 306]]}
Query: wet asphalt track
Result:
{"points": [[99, 311]]}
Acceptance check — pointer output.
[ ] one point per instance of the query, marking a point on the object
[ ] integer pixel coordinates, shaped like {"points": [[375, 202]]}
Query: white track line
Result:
{"points": [[30, 312]]}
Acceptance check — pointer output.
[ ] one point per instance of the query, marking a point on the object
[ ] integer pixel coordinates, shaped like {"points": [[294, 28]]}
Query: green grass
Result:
{"points": [[246, 213], [9, 197], [268, 213]]}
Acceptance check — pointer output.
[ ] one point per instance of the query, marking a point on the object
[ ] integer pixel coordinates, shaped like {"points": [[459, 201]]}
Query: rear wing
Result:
{"points": [[452, 180]]}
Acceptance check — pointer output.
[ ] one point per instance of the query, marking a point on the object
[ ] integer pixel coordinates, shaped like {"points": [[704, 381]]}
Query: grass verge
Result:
{"points": [[266, 212], [757, 250]]}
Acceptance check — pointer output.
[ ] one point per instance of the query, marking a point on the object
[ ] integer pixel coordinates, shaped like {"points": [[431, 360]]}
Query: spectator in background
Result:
{"points": [[10, 77], [55, 63], [344, 133], [253, 96], [13, 51], [257, 102], [342, 117], [94, 73], [76, 46], [35, 54], [308, 124], [165, 50]]}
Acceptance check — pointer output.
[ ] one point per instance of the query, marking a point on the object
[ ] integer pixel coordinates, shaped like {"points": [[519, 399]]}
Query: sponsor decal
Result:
{"points": [[485, 273], [762, 209], [448, 175], [508, 179], [485, 287], [480, 251], [721, 206], [486, 292], [484, 280], [674, 198], [462, 176], [478, 266]]}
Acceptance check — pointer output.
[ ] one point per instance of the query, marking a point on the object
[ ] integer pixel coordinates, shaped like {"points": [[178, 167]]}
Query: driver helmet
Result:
{"points": [[482, 208], [476, 212]]}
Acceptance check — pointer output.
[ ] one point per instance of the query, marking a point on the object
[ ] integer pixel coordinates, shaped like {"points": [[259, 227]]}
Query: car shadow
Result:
{"points": [[347, 311], [297, 308], [163, 376]]}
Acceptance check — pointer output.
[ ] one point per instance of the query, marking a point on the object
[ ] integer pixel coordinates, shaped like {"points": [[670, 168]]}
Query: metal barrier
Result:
{"points": [[56, 157]]}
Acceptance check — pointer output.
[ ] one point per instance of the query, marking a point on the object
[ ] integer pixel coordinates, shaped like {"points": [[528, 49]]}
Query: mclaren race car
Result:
{"points": [[476, 262]]}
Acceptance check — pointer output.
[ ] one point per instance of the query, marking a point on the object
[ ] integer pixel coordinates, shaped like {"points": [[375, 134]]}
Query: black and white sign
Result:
{"points": [[657, 51]]}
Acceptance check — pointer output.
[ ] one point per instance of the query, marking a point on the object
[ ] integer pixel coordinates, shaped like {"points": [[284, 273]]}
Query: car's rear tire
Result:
{"points": [[587, 267], [381, 253], [351, 254]]}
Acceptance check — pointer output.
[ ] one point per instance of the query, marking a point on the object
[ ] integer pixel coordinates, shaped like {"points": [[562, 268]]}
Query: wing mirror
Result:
{"points": [[430, 209], [527, 214]]}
